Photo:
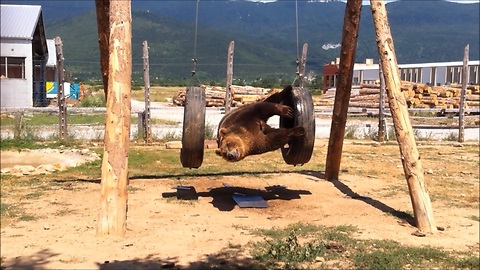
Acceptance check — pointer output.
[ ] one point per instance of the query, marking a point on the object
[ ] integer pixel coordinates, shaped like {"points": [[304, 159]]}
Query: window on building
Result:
{"points": [[12, 67]]}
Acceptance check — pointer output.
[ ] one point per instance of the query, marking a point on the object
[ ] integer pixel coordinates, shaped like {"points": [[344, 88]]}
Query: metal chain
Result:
{"points": [[194, 59], [298, 53]]}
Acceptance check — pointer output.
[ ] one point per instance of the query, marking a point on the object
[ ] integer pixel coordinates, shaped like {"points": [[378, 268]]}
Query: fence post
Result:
{"points": [[62, 108], [141, 125], [461, 112], [146, 82], [302, 64], [228, 90], [17, 131], [381, 110]]}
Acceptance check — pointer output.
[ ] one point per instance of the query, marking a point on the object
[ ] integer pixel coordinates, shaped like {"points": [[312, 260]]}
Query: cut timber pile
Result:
{"points": [[215, 95], [417, 95]]}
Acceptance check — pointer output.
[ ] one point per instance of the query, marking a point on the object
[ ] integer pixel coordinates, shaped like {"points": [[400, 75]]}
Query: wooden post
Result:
{"points": [[17, 131], [113, 202], [461, 113], [351, 24], [302, 64], [103, 25], [412, 165], [228, 91], [62, 106], [381, 109], [146, 82]]}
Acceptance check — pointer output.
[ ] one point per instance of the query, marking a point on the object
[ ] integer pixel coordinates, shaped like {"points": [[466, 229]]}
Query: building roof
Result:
{"points": [[19, 21], [419, 65]]}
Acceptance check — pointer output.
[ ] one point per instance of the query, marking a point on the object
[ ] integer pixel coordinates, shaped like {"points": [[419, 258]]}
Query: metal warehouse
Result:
{"points": [[24, 56]]}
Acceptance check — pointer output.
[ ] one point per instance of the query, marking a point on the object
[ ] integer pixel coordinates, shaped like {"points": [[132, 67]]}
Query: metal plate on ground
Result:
{"points": [[249, 201]]}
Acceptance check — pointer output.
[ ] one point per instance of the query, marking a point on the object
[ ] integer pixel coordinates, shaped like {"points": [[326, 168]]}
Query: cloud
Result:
{"points": [[330, 46]]}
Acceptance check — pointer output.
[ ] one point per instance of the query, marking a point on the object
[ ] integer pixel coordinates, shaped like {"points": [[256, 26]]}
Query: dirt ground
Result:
{"points": [[165, 232]]}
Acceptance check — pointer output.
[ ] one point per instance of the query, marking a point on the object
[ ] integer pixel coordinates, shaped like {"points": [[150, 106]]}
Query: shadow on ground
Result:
{"points": [[226, 259]]}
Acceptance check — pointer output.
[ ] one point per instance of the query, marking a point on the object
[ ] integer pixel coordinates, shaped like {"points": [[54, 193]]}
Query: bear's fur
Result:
{"points": [[244, 131]]}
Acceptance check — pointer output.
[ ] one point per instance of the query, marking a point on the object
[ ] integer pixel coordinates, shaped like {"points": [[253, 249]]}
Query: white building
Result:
{"points": [[440, 73], [24, 56]]}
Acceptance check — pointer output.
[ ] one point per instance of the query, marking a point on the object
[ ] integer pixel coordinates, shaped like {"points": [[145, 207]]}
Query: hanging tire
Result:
{"points": [[193, 135], [300, 149]]}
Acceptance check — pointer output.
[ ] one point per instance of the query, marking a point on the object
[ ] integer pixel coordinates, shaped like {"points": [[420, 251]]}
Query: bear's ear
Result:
{"points": [[222, 131], [288, 88]]}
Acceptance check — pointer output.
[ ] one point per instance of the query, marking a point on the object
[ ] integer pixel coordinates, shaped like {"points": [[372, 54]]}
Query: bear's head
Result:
{"points": [[231, 146]]}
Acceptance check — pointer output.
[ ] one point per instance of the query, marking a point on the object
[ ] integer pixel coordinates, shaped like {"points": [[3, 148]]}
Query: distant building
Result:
{"points": [[23, 57], [440, 73]]}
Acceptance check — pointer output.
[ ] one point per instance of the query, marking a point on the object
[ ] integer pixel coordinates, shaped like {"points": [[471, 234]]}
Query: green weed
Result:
{"points": [[300, 245], [93, 101]]}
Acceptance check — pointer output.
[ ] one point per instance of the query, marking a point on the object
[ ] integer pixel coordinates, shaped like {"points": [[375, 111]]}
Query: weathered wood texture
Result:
{"points": [[229, 80], [351, 25], [103, 26], [146, 83], [411, 162], [62, 105], [114, 180], [463, 96]]}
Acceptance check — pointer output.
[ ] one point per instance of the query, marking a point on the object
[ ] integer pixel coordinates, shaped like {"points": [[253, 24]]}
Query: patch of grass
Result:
{"points": [[97, 100], [14, 212], [474, 217], [300, 245], [180, 201], [210, 132], [18, 144], [34, 195], [132, 189], [157, 93], [171, 136], [351, 131], [64, 212], [452, 136]]}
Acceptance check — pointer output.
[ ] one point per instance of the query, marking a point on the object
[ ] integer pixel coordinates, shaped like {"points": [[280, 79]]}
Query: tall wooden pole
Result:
{"points": [[381, 109], [114, 180], [228, 85], [461, 113], [146, 83], [351, 24], [62, 106], [412, 165]]}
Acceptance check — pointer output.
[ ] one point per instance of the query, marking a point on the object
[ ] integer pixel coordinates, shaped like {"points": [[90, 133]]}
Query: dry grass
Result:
{"points": [[157, 93]]}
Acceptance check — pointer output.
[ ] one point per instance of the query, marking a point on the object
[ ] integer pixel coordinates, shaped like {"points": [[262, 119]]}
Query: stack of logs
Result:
{"points": [[417, 95], [215, 95]]}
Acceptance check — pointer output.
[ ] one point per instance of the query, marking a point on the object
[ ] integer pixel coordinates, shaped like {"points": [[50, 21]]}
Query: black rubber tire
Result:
{"points": [[193, 135], [300, 149]]}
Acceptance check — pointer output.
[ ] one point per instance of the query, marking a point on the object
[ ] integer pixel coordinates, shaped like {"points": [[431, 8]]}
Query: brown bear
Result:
{"points": [[244, 131]]}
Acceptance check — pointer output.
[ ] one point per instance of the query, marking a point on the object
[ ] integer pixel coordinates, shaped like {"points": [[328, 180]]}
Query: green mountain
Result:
{"points": [[264, 34]]}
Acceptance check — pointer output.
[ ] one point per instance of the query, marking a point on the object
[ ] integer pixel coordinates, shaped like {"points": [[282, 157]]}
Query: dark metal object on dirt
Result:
{"points": [[186, 193], [193, 135]]}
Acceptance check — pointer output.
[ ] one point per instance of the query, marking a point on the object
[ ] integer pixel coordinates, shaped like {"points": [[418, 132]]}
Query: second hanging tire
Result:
{"points": [[193, 136]]}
